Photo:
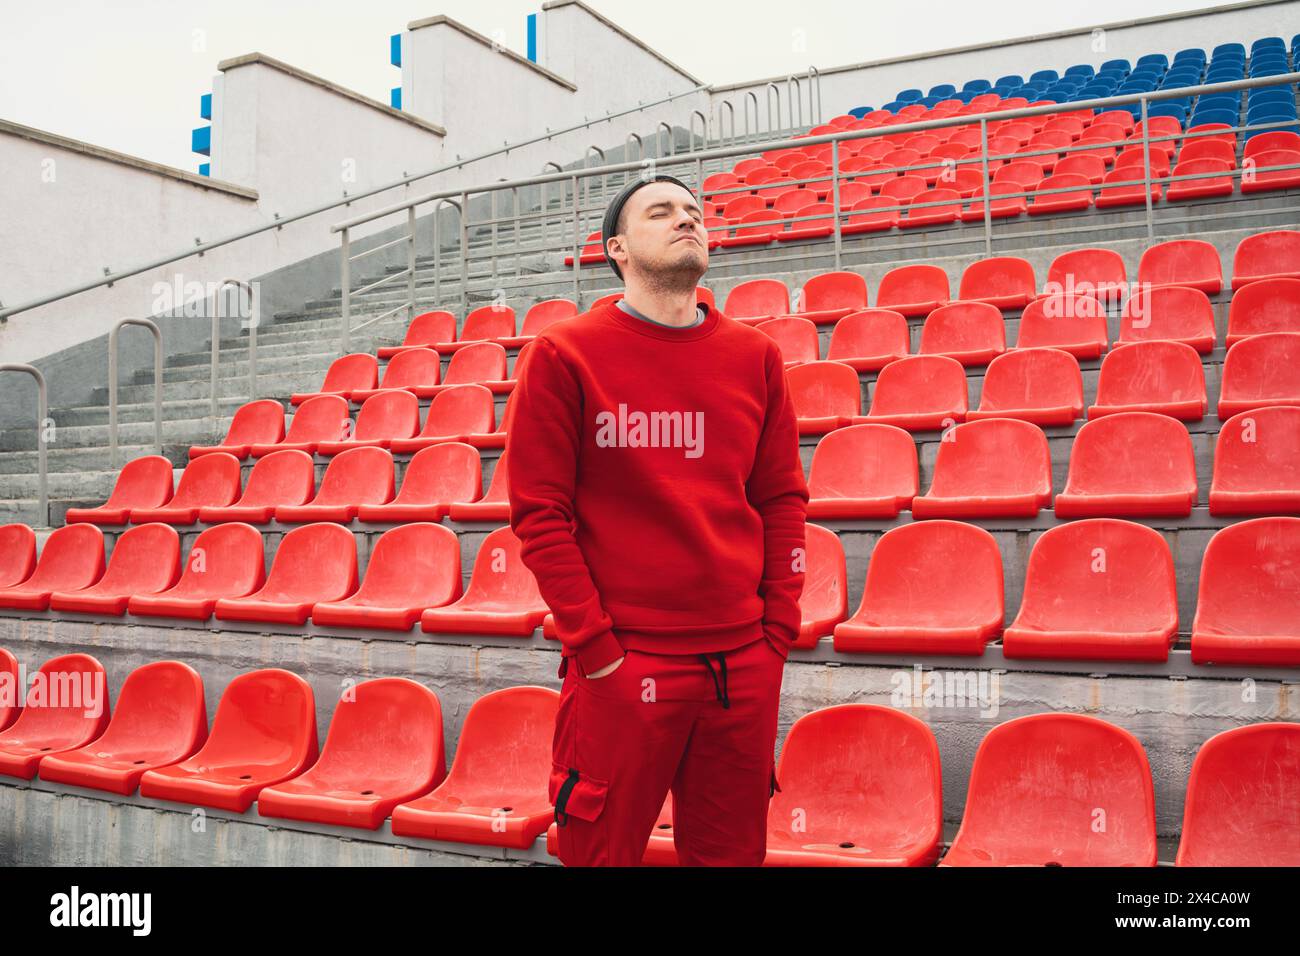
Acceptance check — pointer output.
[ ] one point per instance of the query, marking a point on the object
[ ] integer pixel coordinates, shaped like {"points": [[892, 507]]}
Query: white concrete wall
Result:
{"points": [[877, 83]]}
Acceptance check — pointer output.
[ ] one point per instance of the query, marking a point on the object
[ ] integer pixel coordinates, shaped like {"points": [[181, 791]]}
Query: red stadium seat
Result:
{"points": [[425, 330], [539, 316], [823, 603], [918, 600], [1004, 281], [830, 296], [1078, 195], [796, 337], [921, 212], [260, 422], [412, 567], [1264, 171], [1099, 273], [72, 558], [999, 467], [913, 290], [211, 480], [860, 786], [415, 370], [383, 417], [1038, 791], [346, 374], [66, 707], [11, 705], [278, 479], [1257, 463], [497, 791], [1098, 589], [1248, 604], [17, 554], [145, 560], [1214, 179], [318, 419], [1267, 305], [1189, 262], [453, 415], [756, 228], [485, 324], [821, 225], [435, 477], [920, 393], [493, 506], [1261, 370], [826, 396], [385, 745], [862, 472], [357, 477], [264, 732], [1266, 255], [502, 596], [1042, 386], [481, 363], [591, 251], [160, 719], [1273, 139], [869, 340], [757, 299], [1168, 314], [1091, 164], [1073, 323], [1003, 203], [875, 214], [1162, 377], [1123, 187], [1242, 806], [142, 483], [973, 333], [314, 563], [1130, 465], [225, 562]]}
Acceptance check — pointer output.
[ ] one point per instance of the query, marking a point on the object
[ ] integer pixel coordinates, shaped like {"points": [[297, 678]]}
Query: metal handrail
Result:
{"points": [[42, 413], [252, 337], [280, 221], [157, 384]]}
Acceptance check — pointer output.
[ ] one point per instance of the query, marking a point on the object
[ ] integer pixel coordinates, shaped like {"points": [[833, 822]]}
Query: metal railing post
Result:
{"points": [[988, 208], [773, 88], [1146, 167], [112, 385], [835, 199], [815, 83], [254, 318], [577, 242], [464, 255], [410, 264], [42, 413], [346, 321]]}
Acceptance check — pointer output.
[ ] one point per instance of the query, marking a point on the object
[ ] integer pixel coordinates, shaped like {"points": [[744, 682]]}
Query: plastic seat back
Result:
{"points": [[542, 314], [756, 298], [1266, 255], [1004, 281], [316, 562], [1261, 370], [1249, 591], [323, 418], [66, 707], [1257, 463], [1100, 273], [865, 461], [1164, 377], [142, 483], [387, 415], [1043, 385], [410, 565], [1267, 305], [358, 476], [1190, 262], [349, 372], [1243, 799], [1168, 313], [281, 478], [226, 561], [17, 554], [440, 474], [995, 457], [796, 337], [822, 390], [208, 480], [834, 290], [482, 362], [145, 559], [881, 334], [489, 322], [11, 702], [260, 422], [463, 410], [971, 332], [413, 367], [71, 558], [913, 290], [861, 782], [1038, 787], [431, 328], [918, 386]]}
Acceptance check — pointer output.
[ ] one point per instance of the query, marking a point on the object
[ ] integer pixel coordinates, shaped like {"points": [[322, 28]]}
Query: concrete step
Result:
{"points": [[279, 386], [186, 431], [76, 460], [80, 415]]}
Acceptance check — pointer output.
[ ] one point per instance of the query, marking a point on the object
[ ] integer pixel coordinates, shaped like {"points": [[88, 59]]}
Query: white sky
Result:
{"points": [[128, 74]]}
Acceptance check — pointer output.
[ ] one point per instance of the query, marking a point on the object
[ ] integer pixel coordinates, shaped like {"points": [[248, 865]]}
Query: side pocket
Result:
{"points": [[574, 793], [774, 787]]}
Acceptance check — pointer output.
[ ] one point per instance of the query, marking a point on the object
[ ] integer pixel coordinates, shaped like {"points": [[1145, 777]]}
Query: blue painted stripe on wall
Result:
{"points": [[205, 169], [205, 106], [532, 37], [201, 140], [395, 97], [395, 49]]}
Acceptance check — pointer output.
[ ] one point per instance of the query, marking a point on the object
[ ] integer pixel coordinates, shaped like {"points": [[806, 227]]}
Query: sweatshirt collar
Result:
{"points": [[667, 334]]}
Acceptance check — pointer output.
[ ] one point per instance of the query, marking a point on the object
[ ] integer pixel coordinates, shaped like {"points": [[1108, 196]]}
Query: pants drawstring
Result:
{"points": [[719, 688]]}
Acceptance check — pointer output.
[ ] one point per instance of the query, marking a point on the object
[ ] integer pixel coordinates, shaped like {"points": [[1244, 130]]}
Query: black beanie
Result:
{"points": [[616, 207]]}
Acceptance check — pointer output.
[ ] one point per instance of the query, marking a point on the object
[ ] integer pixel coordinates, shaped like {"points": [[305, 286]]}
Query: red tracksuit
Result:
{"points": [[656, 487]]}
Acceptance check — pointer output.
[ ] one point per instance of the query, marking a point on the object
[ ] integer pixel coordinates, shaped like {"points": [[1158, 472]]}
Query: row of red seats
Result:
{"points": [[414, 574], [1096, 589], [389, 419], [442, 480], [1126, 465], [1033, 789], [929, 392], [974, 332]]}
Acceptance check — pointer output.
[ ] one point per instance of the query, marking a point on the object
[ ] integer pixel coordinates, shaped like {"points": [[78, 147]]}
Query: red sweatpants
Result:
{"points": [[683, 722]]}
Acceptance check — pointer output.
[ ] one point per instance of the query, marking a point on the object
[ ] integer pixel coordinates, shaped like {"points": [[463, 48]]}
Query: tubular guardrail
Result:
{"points": [[157, 385], [42, 413]]}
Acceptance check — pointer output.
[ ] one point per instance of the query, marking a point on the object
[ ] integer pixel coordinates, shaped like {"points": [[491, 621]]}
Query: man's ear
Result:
{"points": [[615, 244]]}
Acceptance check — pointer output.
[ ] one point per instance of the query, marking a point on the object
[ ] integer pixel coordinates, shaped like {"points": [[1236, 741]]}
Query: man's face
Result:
{"points": [[663, 237]]}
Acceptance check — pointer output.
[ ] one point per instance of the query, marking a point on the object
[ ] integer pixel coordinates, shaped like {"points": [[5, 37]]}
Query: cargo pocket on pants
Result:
{"points": [[574, 793]]}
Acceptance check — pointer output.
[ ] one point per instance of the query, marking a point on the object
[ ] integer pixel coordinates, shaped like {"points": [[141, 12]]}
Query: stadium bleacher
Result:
{"points": [[1085, 462]]}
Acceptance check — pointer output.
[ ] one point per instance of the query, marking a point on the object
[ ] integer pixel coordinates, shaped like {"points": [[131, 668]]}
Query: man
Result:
{"points": [[656, 488]]}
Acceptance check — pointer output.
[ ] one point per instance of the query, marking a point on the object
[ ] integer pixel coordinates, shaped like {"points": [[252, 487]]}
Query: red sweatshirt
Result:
{"points": [[656, 487]]}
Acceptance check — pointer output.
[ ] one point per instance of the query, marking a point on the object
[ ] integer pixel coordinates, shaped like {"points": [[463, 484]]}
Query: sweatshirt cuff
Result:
{"points": [[600, 651]]}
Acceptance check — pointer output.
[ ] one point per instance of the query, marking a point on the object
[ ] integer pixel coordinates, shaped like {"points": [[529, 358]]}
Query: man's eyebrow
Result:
{"points": [[665, 204]]}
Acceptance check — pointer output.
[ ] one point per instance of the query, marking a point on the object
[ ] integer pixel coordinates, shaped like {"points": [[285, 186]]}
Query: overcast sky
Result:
{"points": [[128, 74]]}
